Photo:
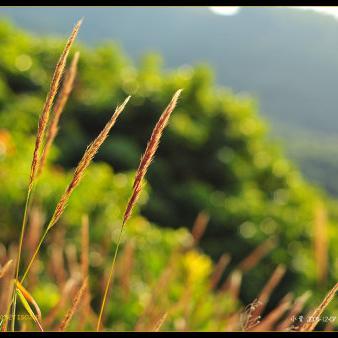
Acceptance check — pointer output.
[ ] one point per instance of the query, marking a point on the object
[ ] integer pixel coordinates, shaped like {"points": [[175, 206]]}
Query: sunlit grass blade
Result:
{"points": [[28, 308], [29, 298]]}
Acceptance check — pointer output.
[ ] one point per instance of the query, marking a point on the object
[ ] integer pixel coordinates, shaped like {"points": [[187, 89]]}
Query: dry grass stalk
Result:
{"points": [[297, 307], [233, 284], [72, 262], [3, 252], [150, 314], [6, 292], [87, 312], [145, 162], [199, 227], [310, 325], [246, 317], [320, 238], [158, 324], [85, 246], [256, 255], [273, 316], [57, 264], [74, 306], [9, 280], [186, 305], [149, 155], [219, 269], [78, 175], [61, 101], [4, 270], [127, 267], [7, 274], [13, 251], [268, 288], [36, 220]]}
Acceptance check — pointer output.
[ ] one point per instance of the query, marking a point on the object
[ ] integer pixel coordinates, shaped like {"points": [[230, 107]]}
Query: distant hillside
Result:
{"points": [[287, 58]]}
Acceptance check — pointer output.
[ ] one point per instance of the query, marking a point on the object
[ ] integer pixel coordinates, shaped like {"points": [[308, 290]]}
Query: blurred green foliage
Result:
{"points": [[213, 157]]}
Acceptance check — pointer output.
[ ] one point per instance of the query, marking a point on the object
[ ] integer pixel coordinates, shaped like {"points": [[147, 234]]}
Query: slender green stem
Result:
{"points": [[34, 255], [109, 281], [23, 227], [13, 312]]}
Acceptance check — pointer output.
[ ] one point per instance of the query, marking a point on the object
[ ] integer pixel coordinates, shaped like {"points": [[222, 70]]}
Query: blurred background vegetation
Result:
{"points": [[286, 58], [215, 157]]}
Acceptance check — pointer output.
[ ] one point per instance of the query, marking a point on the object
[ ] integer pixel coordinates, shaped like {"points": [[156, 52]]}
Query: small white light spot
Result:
{"points": [[23, 62], [247, 229]]}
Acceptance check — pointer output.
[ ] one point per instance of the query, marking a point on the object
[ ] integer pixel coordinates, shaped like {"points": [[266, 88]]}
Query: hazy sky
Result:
{"points": [[231, 10]]}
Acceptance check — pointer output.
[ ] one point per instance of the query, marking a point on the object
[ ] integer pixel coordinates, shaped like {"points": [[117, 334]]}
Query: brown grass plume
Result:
{"points": [[61, 101], [44, 117], [84, 163], [148, 155]]}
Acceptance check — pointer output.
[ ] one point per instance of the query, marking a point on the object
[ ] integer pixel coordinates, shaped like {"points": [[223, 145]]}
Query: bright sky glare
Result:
{"points": [[231, 10], [225, 10]]}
